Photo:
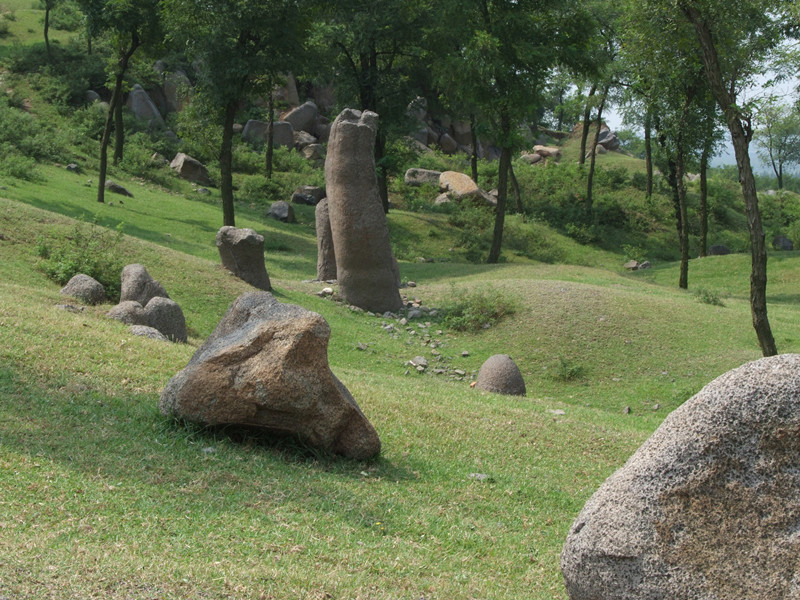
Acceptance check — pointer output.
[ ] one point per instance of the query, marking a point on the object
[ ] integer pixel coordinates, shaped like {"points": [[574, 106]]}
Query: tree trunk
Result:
{"points": [[740, 137], [683, 224], [473, 161], [226, 166], [590, 179], [119, 131], [704, 199], [515, 185], [500, 214], [270, 133], [116, 97], [47, 31], [648, 152], [587, 113]]}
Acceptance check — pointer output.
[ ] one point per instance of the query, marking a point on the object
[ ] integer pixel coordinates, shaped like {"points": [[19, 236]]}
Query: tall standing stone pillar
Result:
{"points": [[365, 266]]}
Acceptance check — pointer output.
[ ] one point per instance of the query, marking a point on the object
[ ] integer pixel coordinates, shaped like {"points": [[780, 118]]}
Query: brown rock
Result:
{"points": [[266, 366], [242, 253], [499, 374]]}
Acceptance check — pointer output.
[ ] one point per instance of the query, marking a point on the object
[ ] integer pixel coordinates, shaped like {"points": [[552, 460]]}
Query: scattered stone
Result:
{"points": [[366, 269], [325, 292], [242, 253], [500, 374], [557, 412], [190, 169], [282, 211], [138, 285], [465, 353], [326, 255], [314, 152], [479, 476], [645, 265], [631, 265], [73, 168], [419, 362], [627, 410], [266, 366], [85, 288], [129, 312], [71, 308], [148, 332], [116, 188], [708, 506], [303, 117], [412, 284], [361, 346]]}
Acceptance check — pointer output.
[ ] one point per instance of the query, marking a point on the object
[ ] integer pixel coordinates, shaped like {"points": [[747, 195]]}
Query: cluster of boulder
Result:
{"points": [[453, 186], [302, 128], [145, 303]]}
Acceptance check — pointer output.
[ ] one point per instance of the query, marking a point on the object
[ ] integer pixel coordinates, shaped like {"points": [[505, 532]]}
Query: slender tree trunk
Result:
{"points": [[47, 31], [648, 152], [226, 166], [780, 177], [515, 185], [587, 113], [500, 214], [590, 179], [704, 198], [560, 123], [119, 131], [683, 221], [740, 137], [270, 132], [474, 157]]}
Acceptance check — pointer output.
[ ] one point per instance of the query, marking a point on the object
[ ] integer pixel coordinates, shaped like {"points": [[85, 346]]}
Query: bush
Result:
{"points": [[477, 310], [260, 190], [88, 249], [567, 370], [18, 166], [707, 296]]}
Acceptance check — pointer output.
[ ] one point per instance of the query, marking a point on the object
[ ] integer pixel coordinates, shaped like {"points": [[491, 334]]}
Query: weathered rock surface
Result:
{"points": [[143, 108], [418, 177], [257, 132], [309, 195], [500, 374], [282, 211], [326, 255], [190, 169], [160, 313], [365, 265], [303, 118], [148, 332], [708, 507], [117, 189], [138, 285], [86, 289], [266, 366], [129, 312], [242, 253], [459, 186]]}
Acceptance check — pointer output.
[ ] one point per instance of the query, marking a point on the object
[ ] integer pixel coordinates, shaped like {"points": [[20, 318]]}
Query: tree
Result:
{"points": [[778, 139], [49, 5], [379, 53], [504, 51], [241, 47], [129, 24], [735, 37]]}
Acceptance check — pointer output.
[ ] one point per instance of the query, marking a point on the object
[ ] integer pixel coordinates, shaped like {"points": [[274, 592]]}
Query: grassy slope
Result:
{"points": [[106, 498]]}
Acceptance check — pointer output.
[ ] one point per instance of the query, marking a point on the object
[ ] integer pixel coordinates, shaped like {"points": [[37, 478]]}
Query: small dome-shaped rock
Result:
{"points": [[500, 374]]}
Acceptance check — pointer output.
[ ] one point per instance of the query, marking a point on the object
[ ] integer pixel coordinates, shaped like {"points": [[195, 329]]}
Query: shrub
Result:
{"points": [[88, 249], [707, 296], [260, 190], [567, 370], [477, 310], [17, 166]]}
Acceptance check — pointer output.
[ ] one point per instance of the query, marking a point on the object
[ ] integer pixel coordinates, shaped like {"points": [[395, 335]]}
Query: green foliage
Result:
{"points": [[260, 190], [88, 249], [709, 296], [477, 310], [67, 16], [567, 370], [17, 165]]}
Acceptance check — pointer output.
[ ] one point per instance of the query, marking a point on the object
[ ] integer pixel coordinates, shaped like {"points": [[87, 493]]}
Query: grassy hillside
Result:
{"points": [[473, 493]]}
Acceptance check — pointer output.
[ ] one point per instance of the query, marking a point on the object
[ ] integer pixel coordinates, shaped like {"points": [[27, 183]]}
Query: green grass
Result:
{"points": [[103, 497]]}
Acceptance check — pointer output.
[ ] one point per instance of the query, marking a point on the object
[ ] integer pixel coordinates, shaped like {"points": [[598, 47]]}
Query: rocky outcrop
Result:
{"points": [[365, 265], [266, 366], [190, 169], [242, 253], [708, 507], [160, 313]]}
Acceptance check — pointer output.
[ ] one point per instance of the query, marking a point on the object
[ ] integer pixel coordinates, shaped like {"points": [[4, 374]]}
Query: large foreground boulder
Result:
{"points": [[709, 507], [266, 366], [242, 253], [365, 266]]}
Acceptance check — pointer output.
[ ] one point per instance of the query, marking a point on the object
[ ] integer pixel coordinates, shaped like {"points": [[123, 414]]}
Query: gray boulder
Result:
{"points": [[500, 375], [167, 317], [190, 169], [242, 253], [303, 118], [314, 152], [266, 366], [282, 211], [418, 177], [138, 285], [303, 139], [85, 288], [308, 194], [144, 109], [718, 250], [326, 255], [129, 312], [257, 132], [116, 188], [176, 87], [365, 265], [148, 332], [708, 507]]}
